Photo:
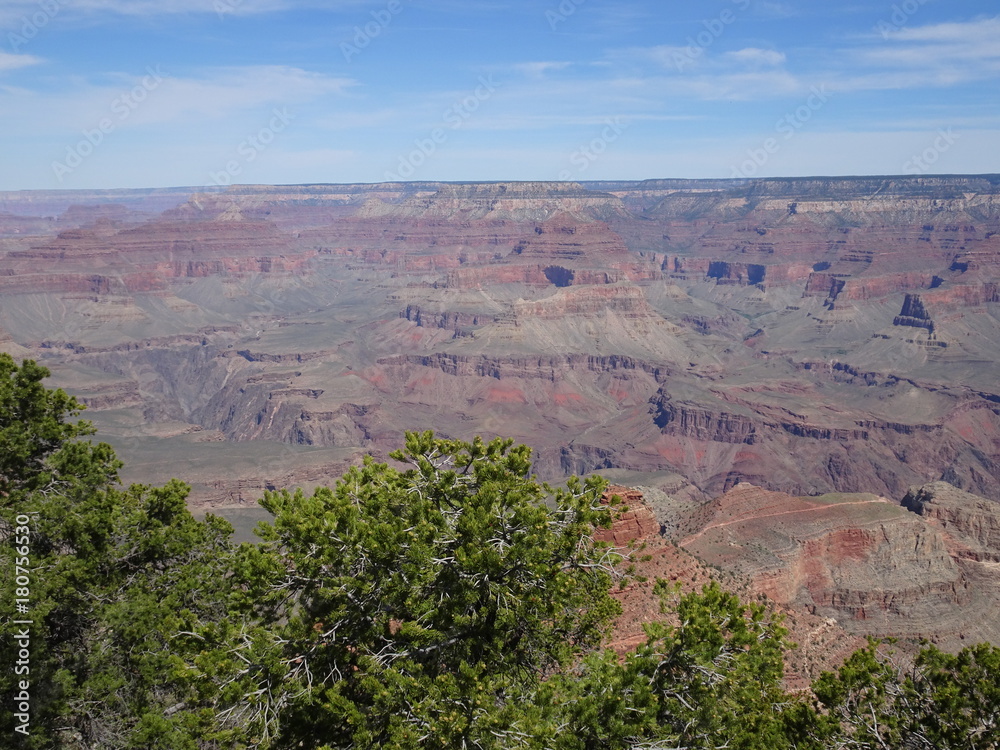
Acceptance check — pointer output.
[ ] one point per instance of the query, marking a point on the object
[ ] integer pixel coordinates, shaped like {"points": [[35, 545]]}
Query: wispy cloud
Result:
{"points": [[775, 10], [13, 10], [915, 57], [214, 95], [931, 56], [539, 69], [13, 62], [974, 42], [740, 75], [969, 32], [756, 58]]}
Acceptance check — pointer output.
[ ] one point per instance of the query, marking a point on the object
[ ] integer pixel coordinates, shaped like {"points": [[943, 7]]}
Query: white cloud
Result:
{"points": [[14, 10], [539, 69], [13, 62], [756, 57], [933, 56], [155, 97], [969, 43], [967, 33]]}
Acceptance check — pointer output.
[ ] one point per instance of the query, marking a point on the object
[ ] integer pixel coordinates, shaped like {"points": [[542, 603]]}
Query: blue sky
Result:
{"points": [[157, 93]]}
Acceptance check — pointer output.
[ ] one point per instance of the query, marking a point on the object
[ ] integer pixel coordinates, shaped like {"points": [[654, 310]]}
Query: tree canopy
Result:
{"points": [[412, 607], [447, 599]]}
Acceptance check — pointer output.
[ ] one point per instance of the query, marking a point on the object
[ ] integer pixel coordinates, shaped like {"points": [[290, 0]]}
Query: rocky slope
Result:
{"points": [[926, 569], [806, 336], [821, 643], [776, 362]]}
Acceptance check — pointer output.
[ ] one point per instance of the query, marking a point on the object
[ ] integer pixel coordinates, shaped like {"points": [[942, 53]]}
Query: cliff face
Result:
{"points": [[821, 643], [804, 335], [111, 257], [515, 201], [748, 350], [635, 524], [636, 532], [914, 314], [971, 523], [874, 567]]}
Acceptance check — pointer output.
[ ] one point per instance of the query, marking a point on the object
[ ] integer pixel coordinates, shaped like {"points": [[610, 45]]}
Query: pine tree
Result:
{"points": [[412, 608], [111, 574]]}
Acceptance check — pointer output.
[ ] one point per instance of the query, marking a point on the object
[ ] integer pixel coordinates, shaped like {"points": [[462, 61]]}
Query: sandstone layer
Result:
{"points": [[924, 570], [821, 643], [806, 336]]}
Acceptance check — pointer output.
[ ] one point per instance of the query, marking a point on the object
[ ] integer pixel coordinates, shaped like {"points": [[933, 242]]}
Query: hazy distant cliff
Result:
{"points": [[805, 335]]}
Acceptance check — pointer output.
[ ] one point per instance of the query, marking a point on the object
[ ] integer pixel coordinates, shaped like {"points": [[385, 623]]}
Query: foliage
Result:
{"points": [[113, 573], [455, 602], [713, 679], [416, 607], [939, 701], [35, 435]]}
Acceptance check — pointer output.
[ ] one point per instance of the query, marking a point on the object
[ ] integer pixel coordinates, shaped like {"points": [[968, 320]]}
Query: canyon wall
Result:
{"points": [[806, 336]]}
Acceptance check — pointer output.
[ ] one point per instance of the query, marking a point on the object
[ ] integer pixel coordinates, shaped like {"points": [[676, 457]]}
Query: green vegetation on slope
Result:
{"points": [[453, 603]]}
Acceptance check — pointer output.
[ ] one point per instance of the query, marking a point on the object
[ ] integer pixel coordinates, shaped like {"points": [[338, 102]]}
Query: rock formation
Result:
{"points": [[921, 570], [801, 374], [821, 643], [806, 336]]}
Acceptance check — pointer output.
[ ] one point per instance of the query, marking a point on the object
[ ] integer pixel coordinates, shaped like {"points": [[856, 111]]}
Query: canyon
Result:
{"points": [[800, 375]]}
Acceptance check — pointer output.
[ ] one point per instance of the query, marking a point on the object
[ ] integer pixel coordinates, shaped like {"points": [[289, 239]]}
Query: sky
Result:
{"points": [[167, 93]]}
